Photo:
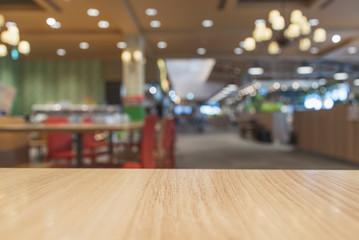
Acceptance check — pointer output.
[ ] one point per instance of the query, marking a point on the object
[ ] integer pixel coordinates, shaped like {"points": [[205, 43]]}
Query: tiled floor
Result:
{"points": [[224, 149]]}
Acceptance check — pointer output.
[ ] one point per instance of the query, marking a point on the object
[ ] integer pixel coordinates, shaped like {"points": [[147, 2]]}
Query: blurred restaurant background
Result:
{"points": [[238, 84]]}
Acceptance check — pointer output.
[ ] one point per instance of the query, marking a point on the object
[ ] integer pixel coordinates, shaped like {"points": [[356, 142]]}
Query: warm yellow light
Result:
{"points": [[303, 19], [178, 100], [260, 23], [2, 20], [304, 44], [3, 50], [137, 55], [257, 35], [296, 16], [11, 36], [273, 48], [126, 56], [13, 29], [259, 32], [320, 35], [278, 23], [24, 47], [272, 15], [163, 75], [268, 34], [305, 28], [249, 44], [292, 31]]}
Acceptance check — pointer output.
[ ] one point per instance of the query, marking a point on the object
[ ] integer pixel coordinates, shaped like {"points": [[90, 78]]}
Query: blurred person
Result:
{"points": [[199, 120]]}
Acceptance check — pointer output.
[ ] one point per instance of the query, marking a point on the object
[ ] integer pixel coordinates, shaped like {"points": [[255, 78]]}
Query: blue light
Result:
{"points": [[313, 101], [172, 94], [190, 96], [187, 110], [338, 94], [179, 109], [14, 54], [210, 110], [263, 91], [328, 103]]}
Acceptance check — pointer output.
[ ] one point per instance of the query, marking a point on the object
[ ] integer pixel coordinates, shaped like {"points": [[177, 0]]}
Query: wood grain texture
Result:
{"points": [[83, 127], [178, 204]]}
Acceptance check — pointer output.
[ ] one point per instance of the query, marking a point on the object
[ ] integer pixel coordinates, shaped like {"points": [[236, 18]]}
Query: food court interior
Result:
{"points": [[188, 119], [179, 84]]}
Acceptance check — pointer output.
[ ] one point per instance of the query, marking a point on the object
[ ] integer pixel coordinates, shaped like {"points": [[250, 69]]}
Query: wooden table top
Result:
{"points": [[178, 204], [71, 127]]}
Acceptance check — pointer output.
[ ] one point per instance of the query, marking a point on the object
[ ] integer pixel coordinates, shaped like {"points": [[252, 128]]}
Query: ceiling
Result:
{"points": [[180, 27]]}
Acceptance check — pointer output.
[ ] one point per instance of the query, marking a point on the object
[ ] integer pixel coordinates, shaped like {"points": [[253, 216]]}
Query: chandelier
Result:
{"points": [[278, 35], [10, 39]]}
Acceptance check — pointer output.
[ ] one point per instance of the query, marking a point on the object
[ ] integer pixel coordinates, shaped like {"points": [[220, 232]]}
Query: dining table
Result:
{"points": [[77, 128], [178, 204]]}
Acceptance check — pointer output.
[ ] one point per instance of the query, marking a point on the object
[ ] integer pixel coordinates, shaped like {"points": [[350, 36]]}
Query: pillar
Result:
{"points": [[133, 75]]}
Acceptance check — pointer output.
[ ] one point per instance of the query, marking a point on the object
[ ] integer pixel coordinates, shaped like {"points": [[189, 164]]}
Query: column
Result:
{"points": [[133, 75]]}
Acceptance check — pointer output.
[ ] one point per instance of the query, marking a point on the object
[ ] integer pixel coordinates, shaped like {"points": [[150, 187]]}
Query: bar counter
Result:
{"points": [[178, 204]]}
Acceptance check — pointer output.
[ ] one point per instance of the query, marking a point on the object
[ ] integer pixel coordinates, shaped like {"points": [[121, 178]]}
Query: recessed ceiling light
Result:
{"points": [[93, 12], [103, 24], [190, 96], [61, 52], [84, 45], [153, 90], [356, 82], [276, 85], [313, 22], [352, 50], [57, 25], [50, 21], [336, 38], [255, 71], [201, 51], [207, 23], [151, 12], [322, 81], [284, 88], [314, 50], [305, 70], [340, 76], [162, 44], [260, 22], [238, 51], [315, 85], [10, 24], [295, 85], [121, 45], [155, 24]]}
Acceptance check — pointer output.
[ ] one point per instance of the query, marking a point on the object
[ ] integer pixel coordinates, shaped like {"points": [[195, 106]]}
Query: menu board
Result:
{"points": [[7, 95]]}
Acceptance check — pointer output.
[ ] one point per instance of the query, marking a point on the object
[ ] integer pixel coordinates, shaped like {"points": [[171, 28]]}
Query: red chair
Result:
{"points": [[147, 145], [91, 145], [168, 143], [59, 145]]}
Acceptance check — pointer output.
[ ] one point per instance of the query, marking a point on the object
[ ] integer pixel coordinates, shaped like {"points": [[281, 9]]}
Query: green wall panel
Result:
{"points": [[50, 81]]}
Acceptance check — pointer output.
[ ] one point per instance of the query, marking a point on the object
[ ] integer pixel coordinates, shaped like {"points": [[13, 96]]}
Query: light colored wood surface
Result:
{"points": [[83, 127], [178, 204]]}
